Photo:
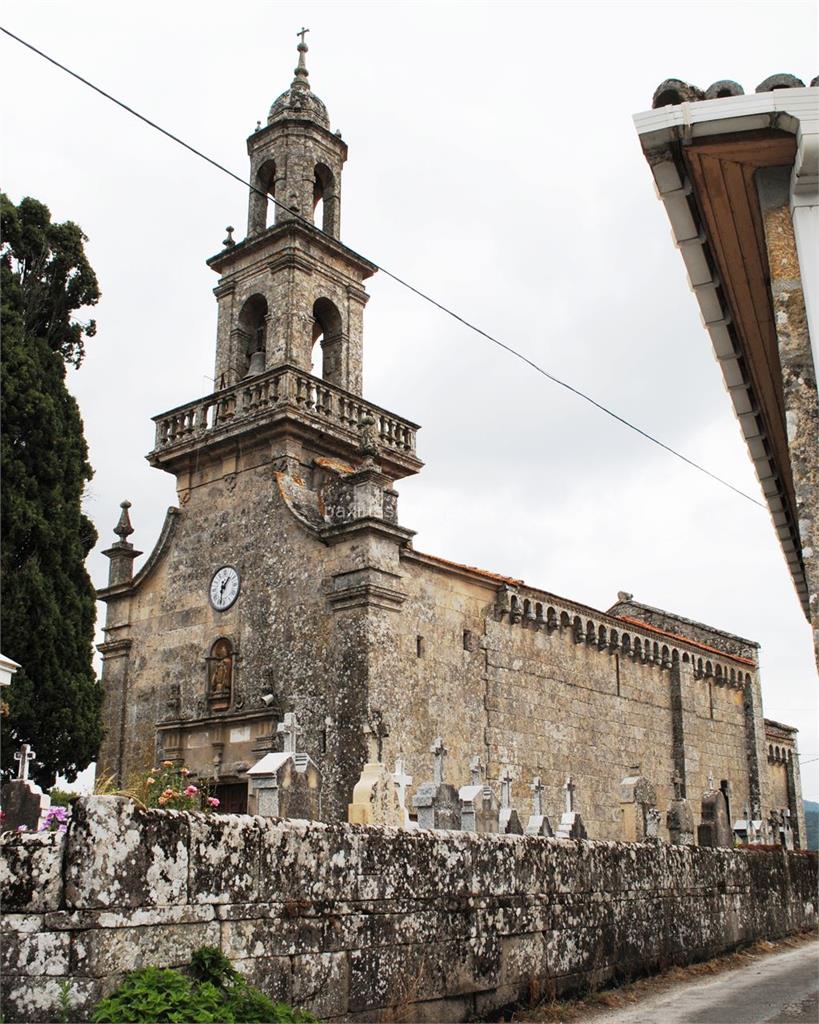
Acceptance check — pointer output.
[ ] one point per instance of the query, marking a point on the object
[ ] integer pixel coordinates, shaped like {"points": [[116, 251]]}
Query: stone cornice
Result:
{"points": [[288, 231], [115, 648]]}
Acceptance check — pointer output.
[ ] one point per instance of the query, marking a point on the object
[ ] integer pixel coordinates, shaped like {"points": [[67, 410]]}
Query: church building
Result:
{"points": [[284, 580]]}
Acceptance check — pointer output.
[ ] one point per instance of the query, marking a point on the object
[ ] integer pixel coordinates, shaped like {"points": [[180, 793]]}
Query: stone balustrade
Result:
{"points": [[283, 388]]}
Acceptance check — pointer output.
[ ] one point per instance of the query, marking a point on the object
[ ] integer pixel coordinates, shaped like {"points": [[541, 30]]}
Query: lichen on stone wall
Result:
{"points": [[346, 919]]}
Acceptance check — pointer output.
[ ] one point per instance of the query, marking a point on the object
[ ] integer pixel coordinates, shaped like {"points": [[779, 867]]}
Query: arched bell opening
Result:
{"points": [[262, 213], [328, 338], [252, 336], [325, 200]]}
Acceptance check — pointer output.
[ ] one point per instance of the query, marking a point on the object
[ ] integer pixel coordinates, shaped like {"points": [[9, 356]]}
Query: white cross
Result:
{"points": [[24, 755], [537, 788], [710, 782], [570, 787], [439, 751], [506, 788], [289, 728], [402, 781], [476, 770]]}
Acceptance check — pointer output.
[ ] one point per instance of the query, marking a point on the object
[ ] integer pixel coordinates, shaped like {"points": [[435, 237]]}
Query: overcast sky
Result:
{"points": [[493, 162]]}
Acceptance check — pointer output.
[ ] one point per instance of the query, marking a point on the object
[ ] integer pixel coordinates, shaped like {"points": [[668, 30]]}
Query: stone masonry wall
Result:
{"points": [[537, 702], [360, 923]]}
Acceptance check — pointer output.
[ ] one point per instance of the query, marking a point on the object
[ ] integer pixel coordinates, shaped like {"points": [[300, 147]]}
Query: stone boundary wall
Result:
{"points": [[360, 923]]}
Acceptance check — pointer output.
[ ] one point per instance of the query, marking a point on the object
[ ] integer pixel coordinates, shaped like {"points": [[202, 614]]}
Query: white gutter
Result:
{"points": [[793, 110]]}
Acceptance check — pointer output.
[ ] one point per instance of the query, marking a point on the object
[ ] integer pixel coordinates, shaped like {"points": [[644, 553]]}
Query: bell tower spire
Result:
{"points": [[291, 283], [296, 159], [291, 298]]}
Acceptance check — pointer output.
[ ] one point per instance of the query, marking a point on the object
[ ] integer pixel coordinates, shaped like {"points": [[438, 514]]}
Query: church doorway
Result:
{"points": [[232, 797]]}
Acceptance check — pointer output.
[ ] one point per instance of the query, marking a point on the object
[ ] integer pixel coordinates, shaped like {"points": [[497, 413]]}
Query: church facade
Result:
{"points": [[285, 582]]}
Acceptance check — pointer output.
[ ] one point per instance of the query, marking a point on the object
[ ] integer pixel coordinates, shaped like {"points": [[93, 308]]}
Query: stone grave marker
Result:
{"points": [[437, 802], [479, 807], [779, 823], [714, 828], [638, 797], [508, 821], [24, 803], [571, 824], [538, 824], [747, 829], [679, 820], [375, 795], [287, 784]]}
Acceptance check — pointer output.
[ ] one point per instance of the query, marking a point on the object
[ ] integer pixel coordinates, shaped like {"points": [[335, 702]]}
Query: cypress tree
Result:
{"points": [[48, 601]]}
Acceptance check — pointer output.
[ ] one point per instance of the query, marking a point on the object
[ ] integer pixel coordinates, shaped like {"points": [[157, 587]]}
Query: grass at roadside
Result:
{"points": [[584, 1008]]}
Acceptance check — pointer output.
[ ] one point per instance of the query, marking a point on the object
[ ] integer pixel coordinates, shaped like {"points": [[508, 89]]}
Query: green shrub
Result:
{"points": [[216, 994], [62, 797], [211, 964]]}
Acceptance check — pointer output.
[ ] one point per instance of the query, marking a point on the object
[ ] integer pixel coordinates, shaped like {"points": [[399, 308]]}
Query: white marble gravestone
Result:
{"points": [[287, 784]]}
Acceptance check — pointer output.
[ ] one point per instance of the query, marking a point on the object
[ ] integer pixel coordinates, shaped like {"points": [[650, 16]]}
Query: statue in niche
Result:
{"points": [[220, 673]]}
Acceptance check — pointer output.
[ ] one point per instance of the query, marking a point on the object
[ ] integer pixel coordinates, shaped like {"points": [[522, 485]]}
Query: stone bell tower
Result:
{"points": [[267, 590], [287, 286]]}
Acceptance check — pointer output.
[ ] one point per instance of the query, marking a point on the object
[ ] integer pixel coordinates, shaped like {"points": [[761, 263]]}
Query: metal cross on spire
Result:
{"points": [[301, 70]]}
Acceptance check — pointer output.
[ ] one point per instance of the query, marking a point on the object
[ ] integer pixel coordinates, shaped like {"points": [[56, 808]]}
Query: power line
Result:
{"points": [[395, 277]]}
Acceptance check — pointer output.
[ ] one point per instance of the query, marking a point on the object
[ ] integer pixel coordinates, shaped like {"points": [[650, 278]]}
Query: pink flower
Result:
{"points": [[167, 793], [22, 828], [184, 771], [191, 791], [213, 801]]}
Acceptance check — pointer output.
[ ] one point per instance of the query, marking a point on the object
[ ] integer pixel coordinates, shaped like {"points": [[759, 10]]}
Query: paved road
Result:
{"points": [[782, 988]]}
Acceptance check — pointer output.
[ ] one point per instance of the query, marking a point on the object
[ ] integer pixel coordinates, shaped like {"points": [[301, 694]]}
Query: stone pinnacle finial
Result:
{"points": [[301, 70], [123, 529], [368, 443]]}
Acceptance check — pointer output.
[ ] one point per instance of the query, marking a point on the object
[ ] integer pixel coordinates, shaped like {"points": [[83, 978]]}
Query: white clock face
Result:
{"points": [[224, 588]]}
